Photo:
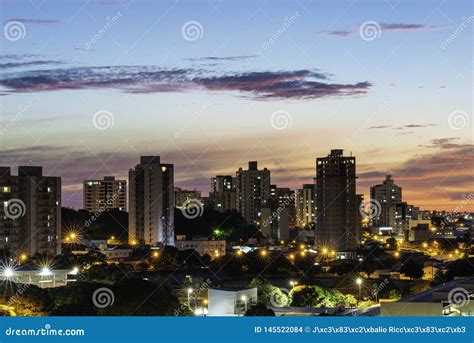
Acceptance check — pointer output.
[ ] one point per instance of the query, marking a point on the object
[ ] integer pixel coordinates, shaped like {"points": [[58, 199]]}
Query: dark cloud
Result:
{"points": [[299, 84], [36, 21], [227, 58], [10, 65], [408, 126], [446, 143], [385, 27]]}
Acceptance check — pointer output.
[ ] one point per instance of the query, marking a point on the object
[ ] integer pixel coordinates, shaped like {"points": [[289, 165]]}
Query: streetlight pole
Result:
{"points": [[190, 290], [359, 283]]}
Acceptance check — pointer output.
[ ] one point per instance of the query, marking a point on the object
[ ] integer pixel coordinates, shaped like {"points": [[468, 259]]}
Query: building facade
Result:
{"points": [[151, 202], [30, 222], [336, 201], [223, 193], [104, 195], [253, 192], [388, 195], [181, 195], [305, 206]]}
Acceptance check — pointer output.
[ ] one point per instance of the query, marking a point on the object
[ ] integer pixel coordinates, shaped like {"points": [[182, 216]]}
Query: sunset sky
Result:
{"points": [[210, 85]]}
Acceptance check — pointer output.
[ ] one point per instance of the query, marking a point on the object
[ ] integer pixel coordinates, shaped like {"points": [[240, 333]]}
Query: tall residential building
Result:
{"points": [[30, 221], [403, 214], [253, 192], [223, 193], [305, 206], [284, 198], [336, 201], [151, 202], [274, 223], [388, 195], [104, 195], [181, 195]]}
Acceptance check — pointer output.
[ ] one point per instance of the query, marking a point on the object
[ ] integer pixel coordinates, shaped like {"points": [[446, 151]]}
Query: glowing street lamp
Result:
{"points": [[244, 299], [359, 283], [156, 254], [8, 272], [263, 253], [239, 253], [291, 257], [189, 291], [293, 284], [23, 257]]}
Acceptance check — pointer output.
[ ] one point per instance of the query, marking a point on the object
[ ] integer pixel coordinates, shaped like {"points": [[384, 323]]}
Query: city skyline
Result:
{"points": [[206, 104]]}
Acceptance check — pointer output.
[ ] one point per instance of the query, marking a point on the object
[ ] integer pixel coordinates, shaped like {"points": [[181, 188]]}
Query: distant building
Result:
{"points": [[223, 302], [285, 198], [274, 224], [305, 206], [419, 233], [253, 192], [404, 213], [203, 247], [151, 202], [106, 194], [31, 219], [388, 195], [336, 201], [181, 195], [436, 301], [223, 193]]}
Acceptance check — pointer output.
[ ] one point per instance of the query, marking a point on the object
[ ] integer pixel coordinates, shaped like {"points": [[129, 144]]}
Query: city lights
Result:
{"points": [[8, 272]]}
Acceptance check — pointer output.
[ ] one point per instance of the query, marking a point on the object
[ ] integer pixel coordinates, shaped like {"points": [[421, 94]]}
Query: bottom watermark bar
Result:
{"points": [[236, 329]]}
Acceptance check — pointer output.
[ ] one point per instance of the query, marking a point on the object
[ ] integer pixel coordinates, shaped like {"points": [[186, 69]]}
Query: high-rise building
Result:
{"points": [[182, 195], [151, 202], [223, 193], [336, 201], [403, 214], [284, 198], [305, 206], [388, 195], [274, 223], [30, 221], [104, 195], [253, 192]]}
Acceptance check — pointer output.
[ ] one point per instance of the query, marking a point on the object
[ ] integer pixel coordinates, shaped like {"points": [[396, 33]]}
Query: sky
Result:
{"points": [[86, 87]]}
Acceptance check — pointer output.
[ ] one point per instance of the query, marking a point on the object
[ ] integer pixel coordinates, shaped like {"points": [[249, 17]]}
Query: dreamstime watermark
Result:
{"points": [[370, 209], [182, 130], [370, 30], [192, 30], [19, 292], [108, 203], [103, 120], [459, 120], [465, 22], [279, 297], [377, 288], [103, 297], [192, 208], [287, 22], [450, 219], [14, 30], [14, 208], [366, 125], [109, 22], [196, 290], [12, 122], [275, 214], [459, 297], [281, 120]]}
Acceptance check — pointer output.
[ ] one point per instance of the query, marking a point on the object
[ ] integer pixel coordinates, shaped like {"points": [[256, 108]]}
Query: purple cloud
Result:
{"points": [[278, 85]]}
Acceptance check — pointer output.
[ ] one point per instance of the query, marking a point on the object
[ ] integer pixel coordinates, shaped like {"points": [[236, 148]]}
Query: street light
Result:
{"points": [[244, 299], [8, 272], [359, 282], [190, 290], [293, 284]]}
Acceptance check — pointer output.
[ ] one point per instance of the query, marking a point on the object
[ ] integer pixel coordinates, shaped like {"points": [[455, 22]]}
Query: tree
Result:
{"points": [[394, 294], [307, 296], [412, 269], [260, 309], [267, 293], [392, 244]]}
